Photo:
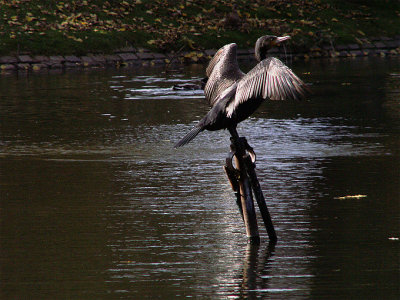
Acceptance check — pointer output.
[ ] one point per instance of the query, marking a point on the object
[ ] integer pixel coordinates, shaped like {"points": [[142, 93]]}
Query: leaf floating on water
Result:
{"points": [[350, 197], [361, 32]]}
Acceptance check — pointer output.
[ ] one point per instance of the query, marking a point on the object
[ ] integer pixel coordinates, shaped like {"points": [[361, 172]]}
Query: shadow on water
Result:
{"points": [[96, 203]]}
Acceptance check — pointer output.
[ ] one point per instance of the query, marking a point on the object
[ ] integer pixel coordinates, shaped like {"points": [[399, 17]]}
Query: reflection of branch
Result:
{"points": [[255, 263]]}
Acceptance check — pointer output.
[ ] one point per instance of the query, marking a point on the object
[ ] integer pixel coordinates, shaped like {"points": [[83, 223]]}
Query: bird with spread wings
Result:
{"points": [[234, 95]]}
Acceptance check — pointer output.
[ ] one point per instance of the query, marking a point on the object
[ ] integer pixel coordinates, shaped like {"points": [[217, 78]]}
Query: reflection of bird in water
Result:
{"points": [[234, 95]]}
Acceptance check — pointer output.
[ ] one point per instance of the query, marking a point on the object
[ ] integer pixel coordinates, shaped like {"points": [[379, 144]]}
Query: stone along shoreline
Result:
{"points": [[382, 46]]}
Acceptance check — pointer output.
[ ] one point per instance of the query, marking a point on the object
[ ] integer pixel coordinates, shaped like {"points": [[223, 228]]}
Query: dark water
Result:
{"points": [[96, 203]]}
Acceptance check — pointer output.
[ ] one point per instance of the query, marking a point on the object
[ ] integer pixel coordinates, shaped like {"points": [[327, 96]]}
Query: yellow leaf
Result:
{"points": [[351, 197], [334, 20], [360, 32]]}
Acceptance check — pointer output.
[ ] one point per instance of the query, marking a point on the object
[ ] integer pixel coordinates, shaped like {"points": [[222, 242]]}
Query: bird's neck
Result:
{"points": [[261, 53]]}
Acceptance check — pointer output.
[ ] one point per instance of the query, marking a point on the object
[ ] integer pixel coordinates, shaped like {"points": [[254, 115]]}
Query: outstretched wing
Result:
{"points": [[216, 58], [270, 79], [222, 72]]}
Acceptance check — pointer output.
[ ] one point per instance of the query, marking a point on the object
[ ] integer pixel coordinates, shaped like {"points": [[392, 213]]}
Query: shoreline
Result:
{"points": [[130, 56]]}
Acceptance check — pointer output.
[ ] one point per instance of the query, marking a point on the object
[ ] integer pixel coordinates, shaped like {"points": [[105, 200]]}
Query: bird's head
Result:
{"points": [[267, 42]]}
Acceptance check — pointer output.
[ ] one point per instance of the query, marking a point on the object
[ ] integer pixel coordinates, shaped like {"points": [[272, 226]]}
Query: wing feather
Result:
{"points": [[216, 58], [222, 72], [213, 86], [270, 80]]}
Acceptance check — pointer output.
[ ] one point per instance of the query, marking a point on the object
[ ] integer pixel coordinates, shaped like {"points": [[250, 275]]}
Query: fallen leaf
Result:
{"points": [[350, 197], [360, 32]]}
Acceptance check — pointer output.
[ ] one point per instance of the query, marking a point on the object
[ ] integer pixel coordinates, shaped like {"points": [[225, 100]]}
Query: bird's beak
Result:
{"points": [[281, 39]]}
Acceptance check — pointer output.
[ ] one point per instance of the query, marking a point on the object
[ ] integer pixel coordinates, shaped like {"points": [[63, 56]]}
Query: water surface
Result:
{"points": [[96, 203]]}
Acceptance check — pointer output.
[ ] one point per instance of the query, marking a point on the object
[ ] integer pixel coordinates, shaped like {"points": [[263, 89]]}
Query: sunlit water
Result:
{"points": [[96, 203]]}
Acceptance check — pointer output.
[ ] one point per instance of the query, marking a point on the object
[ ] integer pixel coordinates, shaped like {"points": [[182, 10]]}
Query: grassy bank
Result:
{"points": [[78, 27]]}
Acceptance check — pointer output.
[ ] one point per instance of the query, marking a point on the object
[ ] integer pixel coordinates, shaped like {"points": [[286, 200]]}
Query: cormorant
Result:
{"points": [[234, 95]]}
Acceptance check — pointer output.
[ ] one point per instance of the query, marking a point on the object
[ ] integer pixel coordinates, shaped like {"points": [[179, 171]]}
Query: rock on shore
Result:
{"points": [[382, 46]]}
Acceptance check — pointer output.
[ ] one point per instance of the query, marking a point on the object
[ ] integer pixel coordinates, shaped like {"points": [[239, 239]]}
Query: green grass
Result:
{"points": [[83, 26]]}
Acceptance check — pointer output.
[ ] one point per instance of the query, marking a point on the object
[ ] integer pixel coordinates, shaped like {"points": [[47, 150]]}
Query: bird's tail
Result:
{"points": [[190, 136]]}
